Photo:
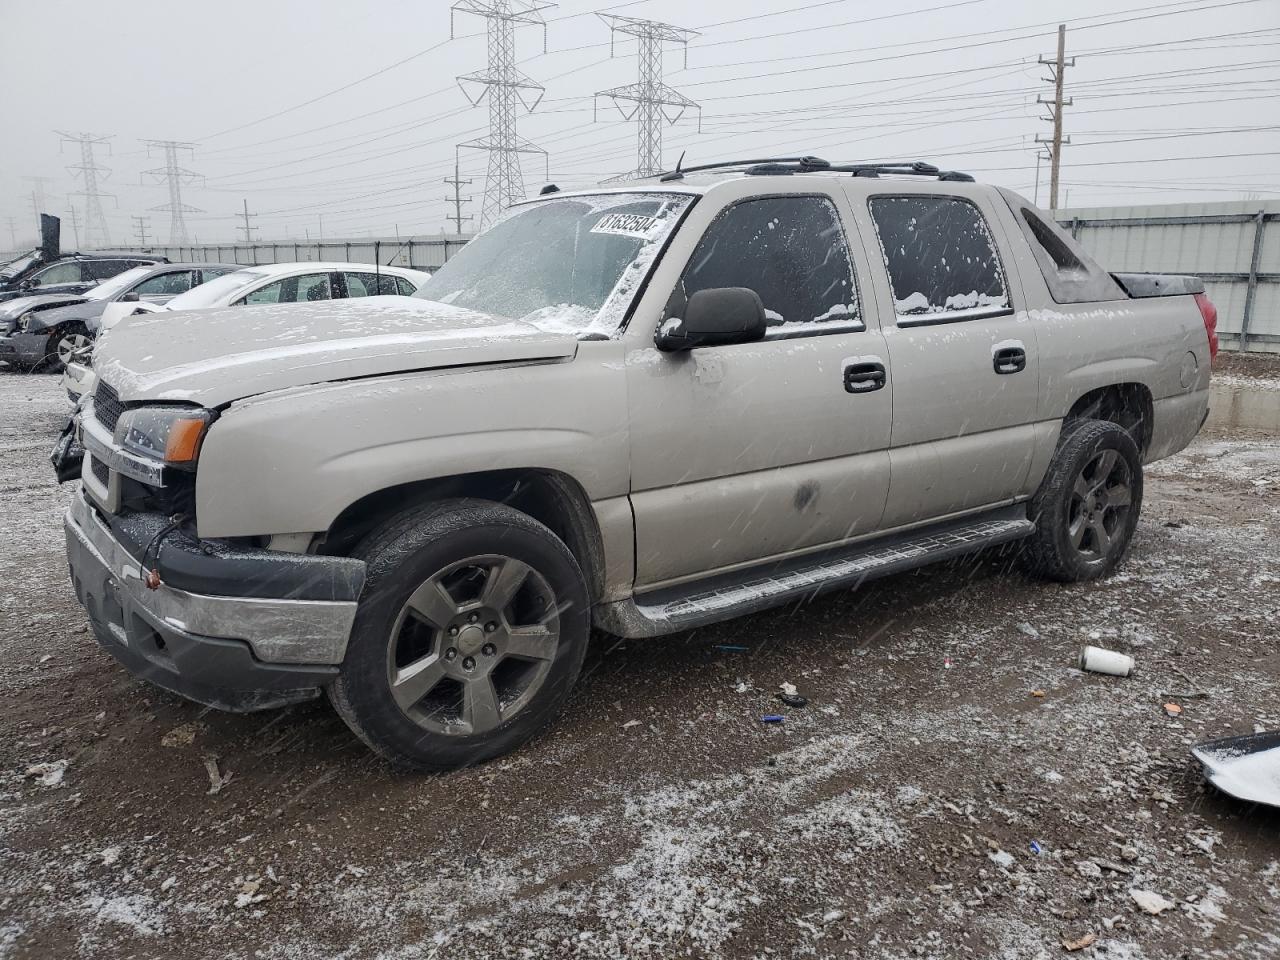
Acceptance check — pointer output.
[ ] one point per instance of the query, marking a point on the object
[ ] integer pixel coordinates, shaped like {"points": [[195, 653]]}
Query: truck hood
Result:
{"points": [[212, 357]]}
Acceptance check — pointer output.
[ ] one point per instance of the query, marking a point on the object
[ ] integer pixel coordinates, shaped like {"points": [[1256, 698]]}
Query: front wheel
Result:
{"points": [[1087, 507], [64, 344], [470, 634]]}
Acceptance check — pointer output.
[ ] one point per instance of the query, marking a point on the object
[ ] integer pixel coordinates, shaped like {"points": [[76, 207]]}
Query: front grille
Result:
{"points": [[107, 406], [99, 471]]}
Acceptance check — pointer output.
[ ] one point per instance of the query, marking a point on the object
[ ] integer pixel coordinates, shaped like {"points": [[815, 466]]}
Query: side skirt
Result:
{"points": [[703, 602]]}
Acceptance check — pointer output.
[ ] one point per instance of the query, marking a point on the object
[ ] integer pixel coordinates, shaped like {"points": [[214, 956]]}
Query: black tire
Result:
{"points": [[404, 556], [1078, 538], [52, 362]]}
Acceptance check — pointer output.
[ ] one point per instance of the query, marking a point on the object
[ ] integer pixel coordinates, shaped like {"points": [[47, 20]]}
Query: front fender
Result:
{"points": [[292, 461]]}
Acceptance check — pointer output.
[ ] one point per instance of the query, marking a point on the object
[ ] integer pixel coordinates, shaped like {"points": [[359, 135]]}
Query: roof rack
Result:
{"points": [[789, 165]]}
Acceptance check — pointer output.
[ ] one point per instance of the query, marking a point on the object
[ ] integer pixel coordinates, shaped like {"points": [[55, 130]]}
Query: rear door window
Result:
{"points": [[791, 251], [941, 259], [370, 284], [165, 284]]}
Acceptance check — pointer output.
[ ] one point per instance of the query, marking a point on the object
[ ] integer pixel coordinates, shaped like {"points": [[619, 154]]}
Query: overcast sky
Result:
{"points": [[950, 81]]}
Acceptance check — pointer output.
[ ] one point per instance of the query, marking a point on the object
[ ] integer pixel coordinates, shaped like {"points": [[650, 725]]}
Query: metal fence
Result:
{"points": [[420, 254], [1234, 247]]}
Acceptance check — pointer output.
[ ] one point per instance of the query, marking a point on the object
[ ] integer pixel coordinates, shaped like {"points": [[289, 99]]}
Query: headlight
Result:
{"points": [[24, 322], [168, 434]]}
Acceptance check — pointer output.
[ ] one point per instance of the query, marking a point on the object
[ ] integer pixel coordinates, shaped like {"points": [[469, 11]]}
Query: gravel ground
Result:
{"points": [[954, 788]]}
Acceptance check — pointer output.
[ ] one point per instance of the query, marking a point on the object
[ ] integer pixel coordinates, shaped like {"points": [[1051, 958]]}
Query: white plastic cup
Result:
{"points": [[1098, 660]]}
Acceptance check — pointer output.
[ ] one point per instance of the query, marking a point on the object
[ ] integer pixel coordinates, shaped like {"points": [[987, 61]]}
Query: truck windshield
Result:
{"points": [[569, 264]]}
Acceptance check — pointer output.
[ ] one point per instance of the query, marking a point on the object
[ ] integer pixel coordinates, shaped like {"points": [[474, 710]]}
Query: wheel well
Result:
{"points": [[1126, 404], [551, 498]]}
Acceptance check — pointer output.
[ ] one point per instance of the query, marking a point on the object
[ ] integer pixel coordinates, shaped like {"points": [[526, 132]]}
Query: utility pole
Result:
{"points": [[457, 199], [1039, 156], [248, 230], [75, 222], [38, 199], [649, 94], [505, 87], [13, 234], [175, 176], [90, 172], [140, 228], [1057, 67]]}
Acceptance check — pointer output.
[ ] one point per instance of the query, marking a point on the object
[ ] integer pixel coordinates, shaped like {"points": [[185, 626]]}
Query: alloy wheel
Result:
{"points": [[1100, 501], [69, 345], [473, 644]]}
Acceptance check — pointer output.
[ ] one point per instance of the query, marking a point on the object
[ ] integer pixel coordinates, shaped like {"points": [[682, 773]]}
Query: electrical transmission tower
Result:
{"points": [[505, 87], [1057, 66], [457, 199], [175, 176], [247, 228], [650, 96], [140, 228], [38, 199], [13, 234], [90, 172]]}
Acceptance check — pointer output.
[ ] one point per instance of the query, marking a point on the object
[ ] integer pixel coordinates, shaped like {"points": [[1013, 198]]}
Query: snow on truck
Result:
{"points": [[641, 409]]}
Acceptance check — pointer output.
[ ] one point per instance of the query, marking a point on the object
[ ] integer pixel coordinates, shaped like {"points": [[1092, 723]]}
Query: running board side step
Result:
{"points": [[698, 604]]}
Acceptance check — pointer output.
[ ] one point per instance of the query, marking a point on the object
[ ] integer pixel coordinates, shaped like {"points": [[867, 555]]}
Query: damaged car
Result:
{"points": [[642, 408]]}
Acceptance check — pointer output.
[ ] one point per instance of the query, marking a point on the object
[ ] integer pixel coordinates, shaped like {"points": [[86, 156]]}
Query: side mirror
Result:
{"points": [[30, 283], [130, 297], [721, 315]]}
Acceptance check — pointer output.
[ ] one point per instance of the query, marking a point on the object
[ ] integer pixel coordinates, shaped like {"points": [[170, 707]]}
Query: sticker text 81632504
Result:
{"points": [[627, 225]]}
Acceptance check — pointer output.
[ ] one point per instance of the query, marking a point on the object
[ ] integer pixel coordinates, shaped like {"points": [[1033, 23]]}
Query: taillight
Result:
{"points": [[1209, 313]]}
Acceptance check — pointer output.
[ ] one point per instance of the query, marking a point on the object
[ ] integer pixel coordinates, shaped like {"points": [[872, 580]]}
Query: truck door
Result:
{"points": [[963, 354], [751, 452]]}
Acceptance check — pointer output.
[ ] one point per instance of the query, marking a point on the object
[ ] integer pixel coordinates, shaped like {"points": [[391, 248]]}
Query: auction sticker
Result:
{"points": [[627, 225]]}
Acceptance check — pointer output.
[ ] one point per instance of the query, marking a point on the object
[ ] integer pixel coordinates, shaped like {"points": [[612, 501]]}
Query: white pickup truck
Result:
{"points": [[642, 408]]}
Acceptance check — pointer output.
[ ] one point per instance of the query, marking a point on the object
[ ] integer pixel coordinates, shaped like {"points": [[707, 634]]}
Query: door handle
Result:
{"points": [[864, 377], [1009, 357]]}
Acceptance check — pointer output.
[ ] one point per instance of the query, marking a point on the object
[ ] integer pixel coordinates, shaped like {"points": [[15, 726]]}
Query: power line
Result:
{"points": [[175, 175], [504, 86], [649, 94], [90, 171]]}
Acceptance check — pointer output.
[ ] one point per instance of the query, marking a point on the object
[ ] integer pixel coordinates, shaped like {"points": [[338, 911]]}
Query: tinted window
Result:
{"points": [[59, 273], [371, 284], [104, 269], [407, 289], [208, 273], [789, 250], [311, 286], [940, 256], [165, 285]]}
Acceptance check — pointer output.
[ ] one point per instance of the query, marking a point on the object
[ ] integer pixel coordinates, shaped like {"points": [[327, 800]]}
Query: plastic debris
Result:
{"points": [[1071, 946], [1028, 630], [793, 700], [1037, 693], [48, 774], [946, 663], [772, 718], [1172, 709], [1151, 902], [789, 689], [1034, 847], [1002, 858], [630, 723], [1098, 660], [180, 736], [216, 780], [1246, 767], [731, 648]]}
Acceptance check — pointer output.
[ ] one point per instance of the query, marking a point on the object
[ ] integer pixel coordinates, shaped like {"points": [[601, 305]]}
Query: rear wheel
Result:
{"points": [[63, 344], [470, 634], [1087, 507]]}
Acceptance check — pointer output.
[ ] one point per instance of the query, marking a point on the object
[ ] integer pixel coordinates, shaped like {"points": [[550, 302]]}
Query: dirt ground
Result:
{"points": [[955, 787]]}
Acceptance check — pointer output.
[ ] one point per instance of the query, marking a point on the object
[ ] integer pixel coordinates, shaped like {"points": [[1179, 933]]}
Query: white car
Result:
{"points": [[268, 283]]}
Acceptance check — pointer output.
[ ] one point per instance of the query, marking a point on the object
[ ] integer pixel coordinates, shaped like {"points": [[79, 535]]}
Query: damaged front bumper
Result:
{"points": [[236, 629]]}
